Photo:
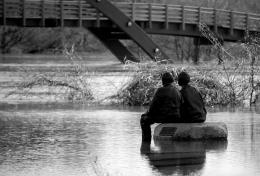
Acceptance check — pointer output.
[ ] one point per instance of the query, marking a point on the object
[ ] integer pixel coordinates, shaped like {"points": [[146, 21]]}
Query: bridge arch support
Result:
{"points": [[130, 28]]}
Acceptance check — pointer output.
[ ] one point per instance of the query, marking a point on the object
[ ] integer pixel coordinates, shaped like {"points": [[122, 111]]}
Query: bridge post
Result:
{"points": [[199, 16], [166, 16], [4, 12], [61, 14], [4, 25], [247, 22], [231, 23], [183, 25], [80, 14], [24, 13], [98, 18], [43, 13], [133, 12], [215, 21], [135, 32], [150, 16]]}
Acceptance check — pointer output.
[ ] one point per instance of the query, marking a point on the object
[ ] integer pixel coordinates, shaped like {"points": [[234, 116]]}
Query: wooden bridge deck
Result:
{"points": [[57, 13], [152, 18]]}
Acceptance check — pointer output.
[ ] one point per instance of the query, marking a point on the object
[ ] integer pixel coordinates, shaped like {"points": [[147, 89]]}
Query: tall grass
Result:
{"points": [[240, 66]]}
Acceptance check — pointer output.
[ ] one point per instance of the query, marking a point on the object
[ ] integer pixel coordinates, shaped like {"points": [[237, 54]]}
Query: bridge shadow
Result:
{"points": [[180, 157]]}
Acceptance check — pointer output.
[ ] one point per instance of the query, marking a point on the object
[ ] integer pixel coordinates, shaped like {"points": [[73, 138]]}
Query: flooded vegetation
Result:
{"points": [[45, 132], [68, 114], [55, 79]]}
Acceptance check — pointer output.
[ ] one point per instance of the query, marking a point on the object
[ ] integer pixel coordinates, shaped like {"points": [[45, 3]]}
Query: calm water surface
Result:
{"points": [[68, 140]]}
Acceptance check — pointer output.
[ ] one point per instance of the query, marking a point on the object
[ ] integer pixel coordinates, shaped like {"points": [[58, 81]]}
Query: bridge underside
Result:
{"points": [[157, 29], [110, 35], [130, 28], [110, 25]]}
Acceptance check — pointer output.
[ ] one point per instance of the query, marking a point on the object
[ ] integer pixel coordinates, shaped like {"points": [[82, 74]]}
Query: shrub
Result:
{"points": [[140, 90], [142, 86], [72, 85]]}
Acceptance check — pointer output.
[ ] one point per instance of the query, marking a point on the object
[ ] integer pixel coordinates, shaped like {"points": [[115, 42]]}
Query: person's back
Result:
{"points": [[165, 106], [192, 108]]}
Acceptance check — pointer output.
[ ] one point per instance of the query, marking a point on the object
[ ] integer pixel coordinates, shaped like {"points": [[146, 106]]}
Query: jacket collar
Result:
{"points": [[168, 84]]}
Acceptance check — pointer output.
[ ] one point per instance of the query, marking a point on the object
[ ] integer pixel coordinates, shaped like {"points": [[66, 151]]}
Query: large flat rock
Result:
{"points": [[191, 131]]}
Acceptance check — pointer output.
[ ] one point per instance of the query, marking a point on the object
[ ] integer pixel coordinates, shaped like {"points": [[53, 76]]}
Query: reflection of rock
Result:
{"points": [[176, 159], [180, 157], [191, 131], [189, 155], [178, 153], [180, 146], [215, 145]]}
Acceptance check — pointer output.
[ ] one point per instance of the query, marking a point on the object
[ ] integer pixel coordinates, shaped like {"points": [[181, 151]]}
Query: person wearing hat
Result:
{"points": [[164, 108], [192, 109]]}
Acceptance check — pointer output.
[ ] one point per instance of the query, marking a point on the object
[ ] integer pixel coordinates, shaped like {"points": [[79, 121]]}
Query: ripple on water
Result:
{"points": [[78, 140]]}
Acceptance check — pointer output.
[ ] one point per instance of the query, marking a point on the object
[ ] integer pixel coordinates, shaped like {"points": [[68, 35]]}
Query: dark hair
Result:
{"points": [[183, 78], [167, 78]]}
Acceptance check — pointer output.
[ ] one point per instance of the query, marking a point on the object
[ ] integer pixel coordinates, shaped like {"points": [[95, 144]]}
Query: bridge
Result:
{"points": [[112, 22]]}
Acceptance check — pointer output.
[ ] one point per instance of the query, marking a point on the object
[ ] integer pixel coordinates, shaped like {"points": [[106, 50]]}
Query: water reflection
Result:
{"points": [[67, 140], [166, 156], [36, 142]]}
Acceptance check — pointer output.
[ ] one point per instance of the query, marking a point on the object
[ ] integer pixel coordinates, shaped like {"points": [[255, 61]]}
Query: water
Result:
{"points": [[61, 139], [67, 140]]}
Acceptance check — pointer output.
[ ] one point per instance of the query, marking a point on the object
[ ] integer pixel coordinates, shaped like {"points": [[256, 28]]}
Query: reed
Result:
{"points": [[62, 84]]}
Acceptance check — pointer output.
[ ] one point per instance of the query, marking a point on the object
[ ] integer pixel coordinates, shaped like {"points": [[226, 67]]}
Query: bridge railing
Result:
{"points": [[80, 10]]}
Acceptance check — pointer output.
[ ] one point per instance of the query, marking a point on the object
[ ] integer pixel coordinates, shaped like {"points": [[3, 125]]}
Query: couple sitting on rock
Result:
{"points": [[169, 105]]}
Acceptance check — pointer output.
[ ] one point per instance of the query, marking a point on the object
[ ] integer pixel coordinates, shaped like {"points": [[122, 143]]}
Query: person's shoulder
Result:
{"points": [[188, 88], [160, 88], [173, 87], [194, 88]]}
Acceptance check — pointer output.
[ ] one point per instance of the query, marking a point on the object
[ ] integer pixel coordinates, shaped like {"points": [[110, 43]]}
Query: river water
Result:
{"points": [[39, 137], [67, 140]]}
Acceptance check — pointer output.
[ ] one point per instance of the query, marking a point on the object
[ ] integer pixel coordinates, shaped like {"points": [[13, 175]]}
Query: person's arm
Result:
{"points": [[153, 102], [202, 102], [182, 106]]}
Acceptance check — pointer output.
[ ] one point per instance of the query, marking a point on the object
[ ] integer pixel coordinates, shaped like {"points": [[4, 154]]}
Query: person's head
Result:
{"points": [[183, 78], [167, 78]]}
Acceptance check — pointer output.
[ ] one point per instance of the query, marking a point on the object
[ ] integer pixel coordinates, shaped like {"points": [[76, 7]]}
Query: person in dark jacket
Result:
{"points": [[192, 108], [164, 108]]}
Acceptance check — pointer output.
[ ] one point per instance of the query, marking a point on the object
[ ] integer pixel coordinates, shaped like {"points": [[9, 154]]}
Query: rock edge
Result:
{"points": [[191, 131]]}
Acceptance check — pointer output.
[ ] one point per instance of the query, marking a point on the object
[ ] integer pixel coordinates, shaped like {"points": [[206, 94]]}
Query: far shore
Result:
{"points": [[55, 58]]}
